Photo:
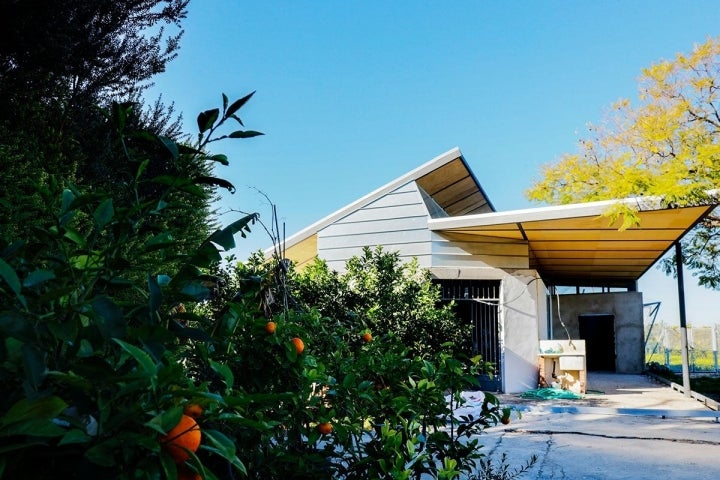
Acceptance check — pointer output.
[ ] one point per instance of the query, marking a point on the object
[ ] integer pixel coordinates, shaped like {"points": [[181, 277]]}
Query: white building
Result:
{"points": [[502, 268]]}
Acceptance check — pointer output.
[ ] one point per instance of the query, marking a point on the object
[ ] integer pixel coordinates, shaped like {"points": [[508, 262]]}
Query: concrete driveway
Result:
{"points": [[626, 427]]}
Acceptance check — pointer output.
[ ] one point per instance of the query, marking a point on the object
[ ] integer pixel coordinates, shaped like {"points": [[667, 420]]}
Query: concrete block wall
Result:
{"points": [[626, 307]]}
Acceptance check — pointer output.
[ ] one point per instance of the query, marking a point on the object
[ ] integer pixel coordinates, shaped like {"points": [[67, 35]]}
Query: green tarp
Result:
{"points": [[551, 394]]}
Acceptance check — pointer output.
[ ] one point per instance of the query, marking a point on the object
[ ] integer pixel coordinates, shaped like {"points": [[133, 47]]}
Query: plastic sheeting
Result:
{"points": [[551, 394]]}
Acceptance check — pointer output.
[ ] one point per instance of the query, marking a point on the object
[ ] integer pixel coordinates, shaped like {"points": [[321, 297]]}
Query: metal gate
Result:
{"points": [[477, 302]]}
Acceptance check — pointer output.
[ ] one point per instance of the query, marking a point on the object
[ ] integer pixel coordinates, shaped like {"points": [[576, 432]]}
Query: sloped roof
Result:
{"points": [[577, 245], [446, 178]]}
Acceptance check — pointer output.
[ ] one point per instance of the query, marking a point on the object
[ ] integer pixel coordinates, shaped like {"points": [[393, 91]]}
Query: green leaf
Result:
{"points": [[14, 325], [188, 150], [166, 420], [43, 408], [224, 371], [103, 454], [109, 317], [75, 237], [37, 277], [143, 359], [219, 182], [34, 418], [225, 102], [245, 134], [237, 104], [10, 277], [196, 290], [170, 145], [75, 436], [34, 364], [224, 447], [207, 118], [141, 169], [159, 241], [85, 262], [225, 237], [104, 213], [220, 158], [156, 297], [68, 197]]}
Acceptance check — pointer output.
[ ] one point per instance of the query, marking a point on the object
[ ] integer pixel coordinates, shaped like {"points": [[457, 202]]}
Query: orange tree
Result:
{"points": [[91, 348], [365, 409], [103, 365]]}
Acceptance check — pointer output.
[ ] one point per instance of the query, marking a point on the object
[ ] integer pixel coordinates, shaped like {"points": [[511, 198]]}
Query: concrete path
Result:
{"points": [[626, 427]]}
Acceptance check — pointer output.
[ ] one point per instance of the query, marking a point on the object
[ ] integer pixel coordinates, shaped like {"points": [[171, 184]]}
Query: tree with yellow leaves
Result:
{"points": [[668, 145]]}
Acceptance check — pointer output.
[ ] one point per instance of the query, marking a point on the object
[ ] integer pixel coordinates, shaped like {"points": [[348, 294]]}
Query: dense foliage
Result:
{"points": [[668, 145], [379, 292], [100, 362], [59, 60]]}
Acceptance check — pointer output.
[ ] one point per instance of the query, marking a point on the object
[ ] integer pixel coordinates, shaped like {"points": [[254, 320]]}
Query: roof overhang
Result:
{"points": [[447, 179], [579, 244]]}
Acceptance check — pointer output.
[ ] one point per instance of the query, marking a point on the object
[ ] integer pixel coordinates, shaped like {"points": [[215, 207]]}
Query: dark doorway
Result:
{"points": [[476, 302], [598, 331]]}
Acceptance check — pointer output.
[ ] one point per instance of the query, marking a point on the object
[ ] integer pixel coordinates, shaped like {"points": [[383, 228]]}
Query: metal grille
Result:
{"points": [[477, 302]]}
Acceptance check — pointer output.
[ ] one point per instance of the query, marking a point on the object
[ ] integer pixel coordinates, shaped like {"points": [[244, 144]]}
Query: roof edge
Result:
{"points": [[414, 174], [554, 212]]}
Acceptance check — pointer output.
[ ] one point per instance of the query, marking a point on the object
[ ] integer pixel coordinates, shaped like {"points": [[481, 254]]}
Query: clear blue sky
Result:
{"points": [[353, 94]]}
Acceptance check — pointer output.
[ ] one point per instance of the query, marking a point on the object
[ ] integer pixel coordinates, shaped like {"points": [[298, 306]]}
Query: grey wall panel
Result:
{"points": [[386, 213], [392, 225]]}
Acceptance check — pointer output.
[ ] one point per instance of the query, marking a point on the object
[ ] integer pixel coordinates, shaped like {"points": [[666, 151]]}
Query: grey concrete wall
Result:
{"points": [[626, 307]]}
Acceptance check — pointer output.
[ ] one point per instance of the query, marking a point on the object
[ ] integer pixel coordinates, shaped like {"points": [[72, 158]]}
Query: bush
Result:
{"points": [[101, 357]]}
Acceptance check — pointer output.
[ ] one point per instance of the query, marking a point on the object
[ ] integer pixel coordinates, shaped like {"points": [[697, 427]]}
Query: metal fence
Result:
{"points": [[662, 345]]}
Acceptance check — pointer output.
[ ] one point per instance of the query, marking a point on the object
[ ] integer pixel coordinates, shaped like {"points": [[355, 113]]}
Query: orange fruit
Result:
{"points": [[324, 427], [505, 420], [270, 327], [193, 410], [299, 345], [184, 435], [367, 337]]}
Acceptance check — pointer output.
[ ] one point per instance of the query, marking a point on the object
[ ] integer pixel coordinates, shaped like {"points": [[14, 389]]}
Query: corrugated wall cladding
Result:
{"points": [[464, 250], [397, 221]]}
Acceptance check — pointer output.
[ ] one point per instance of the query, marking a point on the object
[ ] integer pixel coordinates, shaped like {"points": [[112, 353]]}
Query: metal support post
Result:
{"points": [[683, 322]]}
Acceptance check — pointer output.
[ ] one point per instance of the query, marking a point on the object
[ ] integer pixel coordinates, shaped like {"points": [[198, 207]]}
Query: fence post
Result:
{"points": [[715, 345], [666, 345]]}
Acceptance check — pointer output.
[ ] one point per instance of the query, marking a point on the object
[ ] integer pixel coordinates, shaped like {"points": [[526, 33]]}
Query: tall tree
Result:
{"points": [[59, 61], [666, 145]]}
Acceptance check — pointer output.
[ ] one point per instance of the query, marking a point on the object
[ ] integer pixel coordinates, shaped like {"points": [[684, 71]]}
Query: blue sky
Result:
{"points": [[351, 95]]}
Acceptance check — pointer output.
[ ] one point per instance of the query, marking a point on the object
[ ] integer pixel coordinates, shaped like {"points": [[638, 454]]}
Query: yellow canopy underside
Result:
{"points": [[591, 249]]}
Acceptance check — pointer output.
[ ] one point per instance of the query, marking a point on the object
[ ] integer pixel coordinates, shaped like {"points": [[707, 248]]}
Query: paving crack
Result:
{"points": [[619, 437]]}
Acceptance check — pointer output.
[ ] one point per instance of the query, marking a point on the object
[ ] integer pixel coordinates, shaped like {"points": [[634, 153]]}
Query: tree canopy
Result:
{"points": [[62, 64], [667, 144]]}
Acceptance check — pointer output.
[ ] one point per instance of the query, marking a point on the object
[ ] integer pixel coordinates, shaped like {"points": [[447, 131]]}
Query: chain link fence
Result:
{"points": [[662, 346]]}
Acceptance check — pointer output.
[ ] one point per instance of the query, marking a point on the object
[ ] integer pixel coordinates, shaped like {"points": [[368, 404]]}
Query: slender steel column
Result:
{"points": [[683, 323]]}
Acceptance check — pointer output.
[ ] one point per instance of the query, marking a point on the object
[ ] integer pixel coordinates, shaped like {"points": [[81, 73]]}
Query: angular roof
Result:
{"points": [[447, 179], [577, 244], [574, 244]]}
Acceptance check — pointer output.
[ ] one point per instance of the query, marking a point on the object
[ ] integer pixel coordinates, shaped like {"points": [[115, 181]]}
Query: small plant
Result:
{"points": [[501, 470]]}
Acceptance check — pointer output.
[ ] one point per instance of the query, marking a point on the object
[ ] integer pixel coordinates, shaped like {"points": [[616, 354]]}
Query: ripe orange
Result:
{"points": [[505, 420], [367, 337], [299, 345], [324, 428], [270, 327], [185, 435], [193, 410]]}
